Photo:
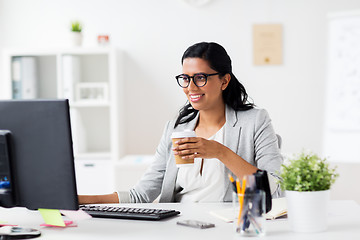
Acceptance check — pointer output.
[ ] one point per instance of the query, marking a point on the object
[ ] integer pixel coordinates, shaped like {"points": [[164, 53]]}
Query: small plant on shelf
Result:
{"points": [[76, 33], [76, 26]]}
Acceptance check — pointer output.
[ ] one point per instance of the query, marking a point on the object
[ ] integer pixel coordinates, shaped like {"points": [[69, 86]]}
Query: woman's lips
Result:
{"points": [[195, 97]]}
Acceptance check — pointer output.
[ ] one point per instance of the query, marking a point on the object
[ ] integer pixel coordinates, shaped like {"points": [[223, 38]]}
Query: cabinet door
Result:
{"points": [[94, 177]]}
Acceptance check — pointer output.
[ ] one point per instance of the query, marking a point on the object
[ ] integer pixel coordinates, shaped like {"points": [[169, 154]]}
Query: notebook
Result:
{"points": [[278, 210]]}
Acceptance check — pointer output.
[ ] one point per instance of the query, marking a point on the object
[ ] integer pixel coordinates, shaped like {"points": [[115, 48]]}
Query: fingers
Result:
{"points": [[188, 148], [186, 152], [191, 156], [186, 143], [187, 140]]}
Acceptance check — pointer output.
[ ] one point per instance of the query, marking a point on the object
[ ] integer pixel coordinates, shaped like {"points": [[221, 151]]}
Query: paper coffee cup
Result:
{"points": [[175, 136]]}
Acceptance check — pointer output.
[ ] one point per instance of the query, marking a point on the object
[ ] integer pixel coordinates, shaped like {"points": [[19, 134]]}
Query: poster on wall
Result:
{"points": [[342, 117], [343, 95], [267, 44]]}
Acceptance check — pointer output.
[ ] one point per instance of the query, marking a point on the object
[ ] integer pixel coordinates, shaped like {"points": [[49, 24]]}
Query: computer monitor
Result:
{"points": [[37, 156]]}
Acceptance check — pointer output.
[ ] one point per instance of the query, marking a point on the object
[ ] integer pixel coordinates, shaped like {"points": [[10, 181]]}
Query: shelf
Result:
{"points": [[89, 77], [89, 104], [59, 51], [93, 156]]}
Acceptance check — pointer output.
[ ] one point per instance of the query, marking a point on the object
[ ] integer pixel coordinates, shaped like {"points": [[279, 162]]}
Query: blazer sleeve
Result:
{"points": [[267, 151], [149, 186]]}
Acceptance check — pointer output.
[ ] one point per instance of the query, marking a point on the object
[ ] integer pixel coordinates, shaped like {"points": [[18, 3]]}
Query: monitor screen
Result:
{"points": [[40, 153]]}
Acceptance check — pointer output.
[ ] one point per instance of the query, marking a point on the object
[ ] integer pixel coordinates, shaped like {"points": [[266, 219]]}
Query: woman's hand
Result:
{"points": [[197, 147]]}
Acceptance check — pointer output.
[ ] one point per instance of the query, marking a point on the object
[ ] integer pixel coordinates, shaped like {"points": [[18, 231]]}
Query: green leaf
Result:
{"points": [[76, 26], [307, 172]]}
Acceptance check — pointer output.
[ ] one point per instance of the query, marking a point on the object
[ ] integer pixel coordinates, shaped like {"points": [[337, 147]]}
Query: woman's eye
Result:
{"points": [[200, 78], [185, 78]]}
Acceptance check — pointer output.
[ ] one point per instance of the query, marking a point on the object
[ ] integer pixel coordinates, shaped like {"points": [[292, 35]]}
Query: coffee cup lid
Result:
{"points": [[186, 133]]}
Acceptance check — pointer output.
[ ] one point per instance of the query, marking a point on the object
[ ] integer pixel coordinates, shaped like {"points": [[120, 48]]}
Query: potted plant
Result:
{"points": [[76, 35], [307, 179]]}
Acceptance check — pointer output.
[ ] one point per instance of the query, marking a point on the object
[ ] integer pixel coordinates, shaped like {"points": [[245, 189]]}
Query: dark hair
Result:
{"points": [[234, 95]]}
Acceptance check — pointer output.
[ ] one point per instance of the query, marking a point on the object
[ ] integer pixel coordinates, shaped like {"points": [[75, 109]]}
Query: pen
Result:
{"points": [[256, 226]]}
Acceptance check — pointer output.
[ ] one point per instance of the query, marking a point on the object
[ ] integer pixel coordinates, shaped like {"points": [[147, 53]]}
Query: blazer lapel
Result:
{"points": [[232, 138], [232, 130]]}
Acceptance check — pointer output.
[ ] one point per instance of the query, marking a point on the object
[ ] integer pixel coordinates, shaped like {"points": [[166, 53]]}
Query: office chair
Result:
{"points": [[279, 140]]}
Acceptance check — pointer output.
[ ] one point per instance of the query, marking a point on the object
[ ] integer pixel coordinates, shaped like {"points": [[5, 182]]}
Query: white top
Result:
{"points": [[205, 187]]}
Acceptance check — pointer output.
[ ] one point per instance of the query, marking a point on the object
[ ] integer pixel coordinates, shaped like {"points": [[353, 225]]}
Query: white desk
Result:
{"points": [[344, 223]]}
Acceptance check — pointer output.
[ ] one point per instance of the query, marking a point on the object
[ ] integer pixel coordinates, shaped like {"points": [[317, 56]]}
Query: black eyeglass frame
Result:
{"points": [[192, 77]]}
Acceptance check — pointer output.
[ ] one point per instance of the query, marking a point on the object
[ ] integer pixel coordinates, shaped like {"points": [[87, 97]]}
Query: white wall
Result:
{"points": [[154, 34]]}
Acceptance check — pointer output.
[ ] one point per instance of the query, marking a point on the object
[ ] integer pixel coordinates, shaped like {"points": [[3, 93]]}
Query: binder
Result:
{"points": [[16, 78], [24, 78], [71, 75]]}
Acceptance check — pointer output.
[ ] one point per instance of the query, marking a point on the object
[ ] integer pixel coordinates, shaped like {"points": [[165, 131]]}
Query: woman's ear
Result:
{"points": [[225, 81]]}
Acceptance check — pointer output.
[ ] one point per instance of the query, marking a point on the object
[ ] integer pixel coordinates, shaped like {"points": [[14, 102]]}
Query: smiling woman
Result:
{"points": [[232, 137]]}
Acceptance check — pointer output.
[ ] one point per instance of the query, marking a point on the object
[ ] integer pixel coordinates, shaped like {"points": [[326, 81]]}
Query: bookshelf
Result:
{"points": [[91, 78]]}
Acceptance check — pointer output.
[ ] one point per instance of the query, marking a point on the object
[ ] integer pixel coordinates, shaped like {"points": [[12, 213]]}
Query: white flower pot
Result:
{"points": [[76, 38], [308, 211]]}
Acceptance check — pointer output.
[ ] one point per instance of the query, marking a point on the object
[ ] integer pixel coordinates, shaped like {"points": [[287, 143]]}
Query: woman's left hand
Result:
{"points": [[197, 147]]}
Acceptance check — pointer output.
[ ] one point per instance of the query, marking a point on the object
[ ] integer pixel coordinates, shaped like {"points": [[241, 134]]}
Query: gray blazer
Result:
{"points": [[247, 133]]}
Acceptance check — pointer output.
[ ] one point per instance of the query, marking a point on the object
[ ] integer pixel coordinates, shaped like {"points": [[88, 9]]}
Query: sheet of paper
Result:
{"points": [[52, 217], [227, 214], [267, 44], [76, 215]]}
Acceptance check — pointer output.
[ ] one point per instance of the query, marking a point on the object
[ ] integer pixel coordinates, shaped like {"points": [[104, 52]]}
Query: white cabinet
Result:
{"points": [[89, 78], [94, 177]]}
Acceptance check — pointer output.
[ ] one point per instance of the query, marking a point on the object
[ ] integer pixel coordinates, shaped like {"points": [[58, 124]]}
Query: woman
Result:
{"points": [[231, 137]]}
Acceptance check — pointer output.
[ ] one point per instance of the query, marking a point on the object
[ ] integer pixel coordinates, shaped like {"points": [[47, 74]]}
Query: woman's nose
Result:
{"points": [[192, 85]]}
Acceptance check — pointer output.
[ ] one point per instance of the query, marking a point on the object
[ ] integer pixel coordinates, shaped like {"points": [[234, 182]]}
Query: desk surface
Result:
{"points": [[343, 219]]}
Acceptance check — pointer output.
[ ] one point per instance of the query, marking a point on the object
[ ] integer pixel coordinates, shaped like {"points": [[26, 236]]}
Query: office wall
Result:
{"points": [[154, 34]]}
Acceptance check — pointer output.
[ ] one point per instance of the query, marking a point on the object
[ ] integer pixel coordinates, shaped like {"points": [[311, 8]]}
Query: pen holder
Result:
{"points": [[249, 208]]}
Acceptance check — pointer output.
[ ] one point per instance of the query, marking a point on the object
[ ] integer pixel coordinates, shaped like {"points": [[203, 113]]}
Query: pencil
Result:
{"points": [[241, 197], [232, 182]]}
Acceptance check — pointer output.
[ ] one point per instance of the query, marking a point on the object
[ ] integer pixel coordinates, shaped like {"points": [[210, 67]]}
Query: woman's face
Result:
{"points": [[210, 95]]}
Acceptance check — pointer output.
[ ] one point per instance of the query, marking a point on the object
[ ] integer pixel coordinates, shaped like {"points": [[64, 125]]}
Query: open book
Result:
{"points": [[278, 210]]}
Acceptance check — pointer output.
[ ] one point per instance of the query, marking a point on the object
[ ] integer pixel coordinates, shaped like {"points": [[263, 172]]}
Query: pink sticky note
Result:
{"points": [[76, 215], [5, 224], [67, 224]]}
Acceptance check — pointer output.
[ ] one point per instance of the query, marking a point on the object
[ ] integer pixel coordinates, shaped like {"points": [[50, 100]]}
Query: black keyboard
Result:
{"points": [[128, 213]]}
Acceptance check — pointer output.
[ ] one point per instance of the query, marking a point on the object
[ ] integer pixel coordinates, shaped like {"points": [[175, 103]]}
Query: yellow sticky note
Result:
{"points": [[52, 217]]}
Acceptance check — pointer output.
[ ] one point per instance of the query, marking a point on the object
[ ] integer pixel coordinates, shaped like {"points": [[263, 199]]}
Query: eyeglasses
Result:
{"points": [[199, 79]]}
